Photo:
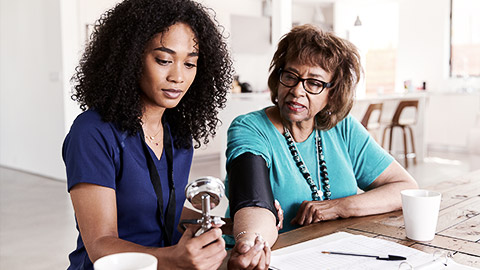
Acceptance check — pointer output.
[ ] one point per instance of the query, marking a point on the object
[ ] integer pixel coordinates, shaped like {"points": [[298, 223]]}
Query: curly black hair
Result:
{"points": [[107, 78]]}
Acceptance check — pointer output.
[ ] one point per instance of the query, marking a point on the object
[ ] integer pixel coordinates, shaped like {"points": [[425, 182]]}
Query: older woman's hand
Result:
{"points": [[316, 211], [250, 255]]}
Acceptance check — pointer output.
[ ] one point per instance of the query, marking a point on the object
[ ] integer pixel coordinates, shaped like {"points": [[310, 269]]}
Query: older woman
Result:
{"points": [[306, 151]]}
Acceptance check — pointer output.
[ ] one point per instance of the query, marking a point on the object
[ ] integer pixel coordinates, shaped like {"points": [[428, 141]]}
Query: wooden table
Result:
{"points": [[458, 228]]}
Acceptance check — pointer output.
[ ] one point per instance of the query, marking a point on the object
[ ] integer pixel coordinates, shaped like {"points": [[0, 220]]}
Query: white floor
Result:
{"points": [[37, 226]]}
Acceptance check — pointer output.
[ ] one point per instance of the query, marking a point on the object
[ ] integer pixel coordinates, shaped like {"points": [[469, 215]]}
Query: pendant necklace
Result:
{"points": [[322, 170], [151, 139]]}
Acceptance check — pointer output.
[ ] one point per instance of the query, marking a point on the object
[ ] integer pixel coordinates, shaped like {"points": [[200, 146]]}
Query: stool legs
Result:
{"points": [[405, 148], [405, 151], [413, 146], [390, 140], [384, 133]]}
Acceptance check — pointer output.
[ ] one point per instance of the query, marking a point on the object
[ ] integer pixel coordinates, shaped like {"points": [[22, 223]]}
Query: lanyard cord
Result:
{"points": [[167, 220]]}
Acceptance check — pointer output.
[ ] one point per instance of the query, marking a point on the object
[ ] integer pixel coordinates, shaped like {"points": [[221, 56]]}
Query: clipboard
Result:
{"points": [[308, 255]]}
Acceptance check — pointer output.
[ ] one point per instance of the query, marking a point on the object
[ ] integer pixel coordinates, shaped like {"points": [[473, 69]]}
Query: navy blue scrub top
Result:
{"points": [[99, 153]]}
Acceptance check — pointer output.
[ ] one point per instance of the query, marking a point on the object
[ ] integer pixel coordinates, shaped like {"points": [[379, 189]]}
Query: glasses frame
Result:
{"points": [[302, 80]]}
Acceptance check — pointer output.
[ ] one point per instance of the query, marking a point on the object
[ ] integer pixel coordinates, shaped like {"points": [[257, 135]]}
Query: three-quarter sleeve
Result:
{"points": [[368, 158], [249, 157]]}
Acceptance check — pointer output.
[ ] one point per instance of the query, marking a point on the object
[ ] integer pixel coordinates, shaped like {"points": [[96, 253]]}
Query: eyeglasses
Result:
{"points": [[312, 86]]}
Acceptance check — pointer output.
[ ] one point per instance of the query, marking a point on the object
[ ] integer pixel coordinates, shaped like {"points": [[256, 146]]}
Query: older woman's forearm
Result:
{"points": [[250, 221], [380, 200], [383, 195]]}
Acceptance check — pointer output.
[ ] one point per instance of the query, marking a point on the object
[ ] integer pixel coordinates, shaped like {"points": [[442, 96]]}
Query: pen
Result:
{"points": [[385, 258]]}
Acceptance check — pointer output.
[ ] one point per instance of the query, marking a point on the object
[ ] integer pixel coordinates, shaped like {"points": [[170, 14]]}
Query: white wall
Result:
{"points": [[252, 68], [71, 52], [31, 93], [40, 45], [75, 15], [89, 11]]}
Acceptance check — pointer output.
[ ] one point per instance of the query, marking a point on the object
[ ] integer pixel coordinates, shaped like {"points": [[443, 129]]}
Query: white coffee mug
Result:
{"points": [[126, 261], [420, 213]]}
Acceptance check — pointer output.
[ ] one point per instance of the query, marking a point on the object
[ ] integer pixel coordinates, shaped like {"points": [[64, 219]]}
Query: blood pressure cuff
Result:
{"points": [[249, 184]]}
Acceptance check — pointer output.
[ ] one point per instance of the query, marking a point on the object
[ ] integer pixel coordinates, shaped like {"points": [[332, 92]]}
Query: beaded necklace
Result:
{"points": [[316, 194]]}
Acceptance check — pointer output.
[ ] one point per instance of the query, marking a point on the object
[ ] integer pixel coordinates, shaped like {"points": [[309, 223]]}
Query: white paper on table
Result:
{"points": [[308, 255]]}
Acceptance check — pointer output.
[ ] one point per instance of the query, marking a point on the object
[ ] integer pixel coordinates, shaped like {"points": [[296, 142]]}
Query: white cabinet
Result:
{"points": [[450, 118]]}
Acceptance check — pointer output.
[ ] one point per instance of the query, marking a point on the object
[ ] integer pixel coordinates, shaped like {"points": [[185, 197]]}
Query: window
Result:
{"points": [[381, 32], [464, 38]]}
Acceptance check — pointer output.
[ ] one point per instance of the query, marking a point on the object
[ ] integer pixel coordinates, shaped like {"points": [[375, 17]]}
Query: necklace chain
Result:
{"points": [[316, 194], [152, 138]]}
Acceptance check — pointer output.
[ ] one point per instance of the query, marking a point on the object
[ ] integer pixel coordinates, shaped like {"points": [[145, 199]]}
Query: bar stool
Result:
{"points": [[403, 124], [372, 125]]}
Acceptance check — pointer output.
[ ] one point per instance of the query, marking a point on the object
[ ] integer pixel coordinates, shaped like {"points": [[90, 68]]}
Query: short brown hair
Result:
{"points": [[310, 45]]}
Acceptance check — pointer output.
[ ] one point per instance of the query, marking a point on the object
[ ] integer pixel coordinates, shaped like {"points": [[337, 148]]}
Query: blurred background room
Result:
{"points": [[421, 53]]}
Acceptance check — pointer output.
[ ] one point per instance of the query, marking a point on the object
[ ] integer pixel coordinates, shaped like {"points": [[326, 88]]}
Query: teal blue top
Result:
{"points": [[354, 160]]}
